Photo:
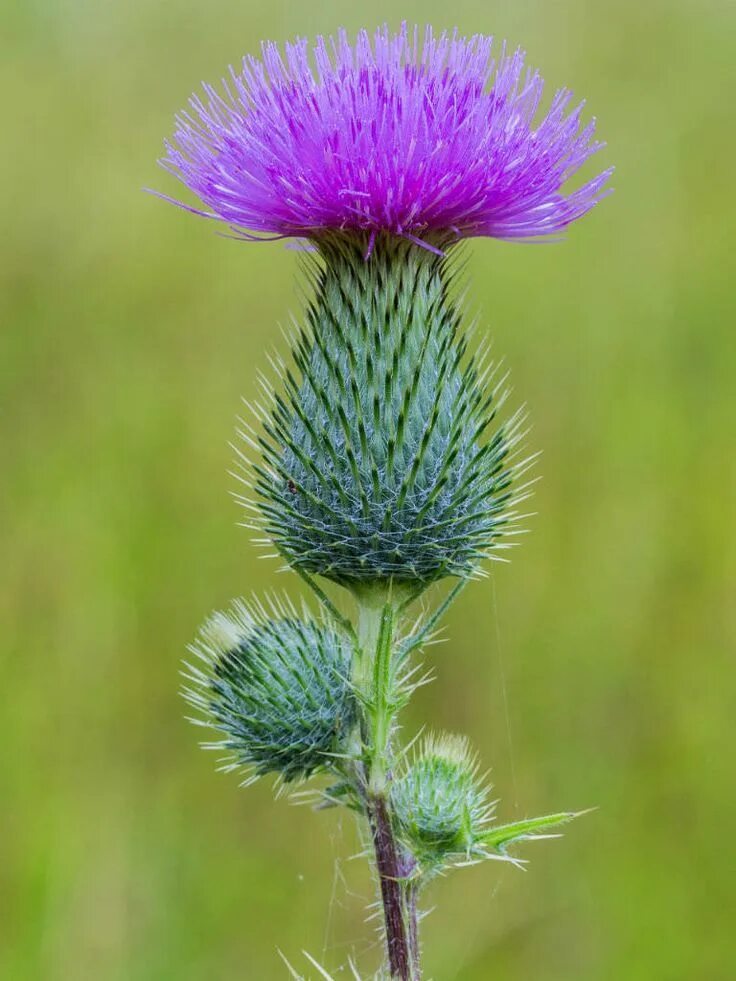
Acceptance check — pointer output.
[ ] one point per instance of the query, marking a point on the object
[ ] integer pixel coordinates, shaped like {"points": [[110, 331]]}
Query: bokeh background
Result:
{"points": [[596, 669]]}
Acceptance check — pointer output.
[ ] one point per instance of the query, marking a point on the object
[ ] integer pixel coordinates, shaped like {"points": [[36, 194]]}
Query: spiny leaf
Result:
{"points": [[501, 837]]}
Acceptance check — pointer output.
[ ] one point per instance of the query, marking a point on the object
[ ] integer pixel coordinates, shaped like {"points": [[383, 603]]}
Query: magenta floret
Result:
{"points": [[388, 134]]}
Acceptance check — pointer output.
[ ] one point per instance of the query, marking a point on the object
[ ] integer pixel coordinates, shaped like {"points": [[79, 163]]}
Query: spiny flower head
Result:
{"points": [[275, 685], [387, 134], [386, 460]]}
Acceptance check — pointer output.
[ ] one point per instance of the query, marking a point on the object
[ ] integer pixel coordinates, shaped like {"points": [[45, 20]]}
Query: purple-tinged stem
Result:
{"points": [[400, 920], [410, 903]]}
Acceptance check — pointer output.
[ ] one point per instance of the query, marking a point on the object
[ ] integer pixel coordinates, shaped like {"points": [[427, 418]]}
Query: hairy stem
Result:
{"points": [[374, 677], [410, 905], [401, 957]]}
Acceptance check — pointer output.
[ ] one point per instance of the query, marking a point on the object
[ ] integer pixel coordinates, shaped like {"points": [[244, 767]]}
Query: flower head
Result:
{"points": [[388, 134]]}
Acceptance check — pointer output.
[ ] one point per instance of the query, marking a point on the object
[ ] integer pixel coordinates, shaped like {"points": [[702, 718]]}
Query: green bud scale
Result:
{"points": [[381, 457]]}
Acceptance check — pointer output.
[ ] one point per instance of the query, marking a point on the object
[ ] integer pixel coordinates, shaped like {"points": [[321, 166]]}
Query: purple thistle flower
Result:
{"points": [[424, 141]]}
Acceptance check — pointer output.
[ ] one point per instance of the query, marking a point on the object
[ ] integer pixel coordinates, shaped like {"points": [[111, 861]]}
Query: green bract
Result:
{"points": [[383, 460], [275, 687]]}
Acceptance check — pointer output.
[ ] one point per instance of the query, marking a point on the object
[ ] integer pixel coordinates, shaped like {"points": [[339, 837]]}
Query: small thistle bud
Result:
{"points": [[441, 807], [381, 462], [443, 814], [275, 686]]}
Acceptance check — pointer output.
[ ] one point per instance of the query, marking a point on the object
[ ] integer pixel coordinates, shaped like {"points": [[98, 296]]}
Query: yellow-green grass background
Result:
{"points": [[596, 669]]}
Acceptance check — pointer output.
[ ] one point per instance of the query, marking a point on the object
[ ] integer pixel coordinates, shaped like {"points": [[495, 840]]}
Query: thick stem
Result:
{"points": [[402, 959], [374, 677]]}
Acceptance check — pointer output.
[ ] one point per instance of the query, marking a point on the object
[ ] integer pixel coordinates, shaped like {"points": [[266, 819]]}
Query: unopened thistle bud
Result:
{"points": [[444, 815], [276, 688], [441, 806]]}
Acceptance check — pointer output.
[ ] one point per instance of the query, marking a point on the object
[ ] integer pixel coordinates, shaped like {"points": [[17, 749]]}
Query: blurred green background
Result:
{"points": [[596, 669]]}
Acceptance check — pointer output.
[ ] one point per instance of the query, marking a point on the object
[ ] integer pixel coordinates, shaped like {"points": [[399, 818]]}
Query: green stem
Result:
{"points": [[374, 678], [382, 707]]}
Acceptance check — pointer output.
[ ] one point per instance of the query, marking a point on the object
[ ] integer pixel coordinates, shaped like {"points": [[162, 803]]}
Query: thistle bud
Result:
{"points": [[276, 688], [444, 816], [441, 807], [382, 458]]}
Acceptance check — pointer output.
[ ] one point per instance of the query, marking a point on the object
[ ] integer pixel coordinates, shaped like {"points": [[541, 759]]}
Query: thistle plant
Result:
{"points": [[383, 459]]}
